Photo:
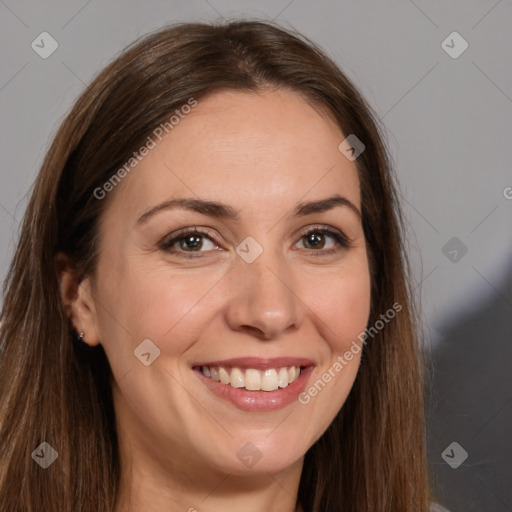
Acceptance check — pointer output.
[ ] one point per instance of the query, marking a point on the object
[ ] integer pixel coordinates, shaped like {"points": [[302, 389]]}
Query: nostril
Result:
{"points": [[254, 330]]}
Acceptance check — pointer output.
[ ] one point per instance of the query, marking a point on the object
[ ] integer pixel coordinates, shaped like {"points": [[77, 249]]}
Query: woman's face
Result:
{"points": [[245, 291]]}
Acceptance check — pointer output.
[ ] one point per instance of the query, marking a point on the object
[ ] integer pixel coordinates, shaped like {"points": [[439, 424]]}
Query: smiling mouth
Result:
{"points": [[252, 379]]}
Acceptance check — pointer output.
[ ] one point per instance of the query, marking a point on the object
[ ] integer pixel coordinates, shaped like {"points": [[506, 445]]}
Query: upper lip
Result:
{"points": [[259, 363]]}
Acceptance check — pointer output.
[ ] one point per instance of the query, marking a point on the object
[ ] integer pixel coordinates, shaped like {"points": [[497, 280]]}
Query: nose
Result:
{"points": [[263, 301]]}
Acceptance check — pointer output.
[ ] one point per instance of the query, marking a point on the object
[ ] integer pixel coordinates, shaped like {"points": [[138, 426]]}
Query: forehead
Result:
{"points": [[246, 149]]}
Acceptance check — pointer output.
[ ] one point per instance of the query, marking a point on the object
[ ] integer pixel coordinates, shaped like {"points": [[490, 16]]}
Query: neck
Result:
{"points": [[150, 486], [262, 493]]}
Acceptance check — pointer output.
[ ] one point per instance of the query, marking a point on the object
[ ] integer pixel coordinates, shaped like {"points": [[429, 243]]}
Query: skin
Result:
{"points": [[261, 154]]}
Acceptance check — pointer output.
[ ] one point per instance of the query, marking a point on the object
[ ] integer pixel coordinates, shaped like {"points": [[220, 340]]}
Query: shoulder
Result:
{"points": [[435, 507]]}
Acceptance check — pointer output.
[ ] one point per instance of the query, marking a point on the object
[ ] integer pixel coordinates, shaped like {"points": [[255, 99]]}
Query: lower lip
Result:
{"points": [[258, 401]]}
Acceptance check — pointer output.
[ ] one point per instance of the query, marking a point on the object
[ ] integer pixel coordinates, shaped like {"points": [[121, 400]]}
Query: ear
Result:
{"points": [[77, 299]]}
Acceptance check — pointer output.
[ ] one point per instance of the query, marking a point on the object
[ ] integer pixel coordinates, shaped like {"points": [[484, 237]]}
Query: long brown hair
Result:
{"points": [[53, 389]]}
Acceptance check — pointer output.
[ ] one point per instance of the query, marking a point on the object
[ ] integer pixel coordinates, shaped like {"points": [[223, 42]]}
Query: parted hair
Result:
{"points": [[372, 458]]}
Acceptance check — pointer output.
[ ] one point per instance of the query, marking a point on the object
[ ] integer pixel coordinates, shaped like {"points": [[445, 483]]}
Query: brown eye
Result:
{"points": [[186, 242], [191, 242], [316, 239]]}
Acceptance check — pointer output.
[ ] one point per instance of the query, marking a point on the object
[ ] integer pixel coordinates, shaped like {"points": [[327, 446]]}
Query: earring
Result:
{"points": [[81, 336]]}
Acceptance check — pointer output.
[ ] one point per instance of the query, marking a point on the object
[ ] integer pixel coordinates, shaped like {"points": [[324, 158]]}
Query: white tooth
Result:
{"points": [[237, 378], [252, 380], [283, 378], [269, 380], [223, 374]]}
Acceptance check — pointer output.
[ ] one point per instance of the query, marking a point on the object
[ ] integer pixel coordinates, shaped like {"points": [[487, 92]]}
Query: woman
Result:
{"points": [[210, 304]]}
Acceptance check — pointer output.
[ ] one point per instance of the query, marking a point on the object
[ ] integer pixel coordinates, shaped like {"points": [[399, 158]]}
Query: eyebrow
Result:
{"points": [[224, 211]]}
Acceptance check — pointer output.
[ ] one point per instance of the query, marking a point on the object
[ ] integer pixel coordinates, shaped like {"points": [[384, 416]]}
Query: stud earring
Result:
{"points": [[81, 336]]}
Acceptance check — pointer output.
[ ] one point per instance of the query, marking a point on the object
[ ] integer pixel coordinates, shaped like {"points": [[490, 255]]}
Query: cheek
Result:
{"points": [[343, 312], [350, 310], [343, 306], [169, 307]]}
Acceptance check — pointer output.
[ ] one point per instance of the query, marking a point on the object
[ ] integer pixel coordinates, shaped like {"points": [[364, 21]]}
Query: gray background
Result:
{"points": [[448, 124]]}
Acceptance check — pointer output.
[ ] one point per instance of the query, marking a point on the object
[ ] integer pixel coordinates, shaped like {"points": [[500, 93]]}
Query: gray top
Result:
{"points": [[435, 507]]}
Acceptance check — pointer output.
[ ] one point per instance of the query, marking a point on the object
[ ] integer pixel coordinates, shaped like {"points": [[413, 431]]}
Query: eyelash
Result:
{"points": [[167, 243]]}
